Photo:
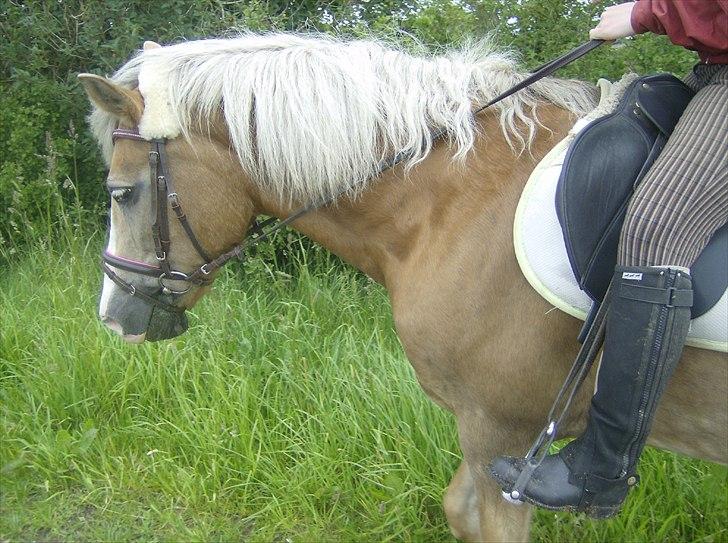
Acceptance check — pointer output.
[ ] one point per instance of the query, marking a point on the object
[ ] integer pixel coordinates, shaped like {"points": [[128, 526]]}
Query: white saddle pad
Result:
{"points": [[541, 252]]}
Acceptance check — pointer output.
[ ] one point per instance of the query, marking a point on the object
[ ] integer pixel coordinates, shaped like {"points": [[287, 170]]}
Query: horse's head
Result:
{"points": [[175, 205]]}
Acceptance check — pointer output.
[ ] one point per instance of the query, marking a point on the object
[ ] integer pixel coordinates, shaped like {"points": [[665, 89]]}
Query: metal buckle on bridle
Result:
{"points": [[173, 275]]}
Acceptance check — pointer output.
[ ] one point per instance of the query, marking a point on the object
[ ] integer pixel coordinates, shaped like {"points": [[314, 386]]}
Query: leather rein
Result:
{"points": [[164, 195]]}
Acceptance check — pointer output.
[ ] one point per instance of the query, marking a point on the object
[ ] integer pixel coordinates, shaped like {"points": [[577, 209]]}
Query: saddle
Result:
{"points": [[603, 165]]}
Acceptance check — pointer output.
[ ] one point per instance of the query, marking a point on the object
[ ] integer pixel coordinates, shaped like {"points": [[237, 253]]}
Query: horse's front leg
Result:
{"points": [[461, 505], [474, 504], [499, 520], [474, 516]]}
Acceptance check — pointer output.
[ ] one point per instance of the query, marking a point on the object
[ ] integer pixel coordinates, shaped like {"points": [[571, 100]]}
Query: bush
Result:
{"points": [[49, 160]]}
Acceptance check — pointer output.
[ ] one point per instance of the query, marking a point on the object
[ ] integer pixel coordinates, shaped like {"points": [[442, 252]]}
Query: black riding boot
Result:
{"points": [[647, 323]]}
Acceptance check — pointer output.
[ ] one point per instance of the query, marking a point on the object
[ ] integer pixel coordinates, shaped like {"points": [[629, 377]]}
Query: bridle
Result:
{"points": [[163, 192]]}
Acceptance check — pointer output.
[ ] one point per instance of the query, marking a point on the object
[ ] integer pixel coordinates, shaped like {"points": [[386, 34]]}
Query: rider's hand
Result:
{"points": [[616, 22]]}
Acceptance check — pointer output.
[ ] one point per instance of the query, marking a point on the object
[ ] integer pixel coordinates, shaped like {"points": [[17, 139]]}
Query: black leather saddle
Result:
{"points": [[603, 165]]}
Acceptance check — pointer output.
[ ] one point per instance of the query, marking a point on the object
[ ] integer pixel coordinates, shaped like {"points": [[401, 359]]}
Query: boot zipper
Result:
{"points": [[628, 459]]}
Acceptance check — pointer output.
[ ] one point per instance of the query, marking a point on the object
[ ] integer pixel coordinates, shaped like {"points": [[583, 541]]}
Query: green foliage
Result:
{"points": [[288, 411], [48, 159], [541, 30], [49, 166]]}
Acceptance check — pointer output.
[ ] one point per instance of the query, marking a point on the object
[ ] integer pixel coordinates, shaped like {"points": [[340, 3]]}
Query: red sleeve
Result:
{"points": [[700, 25]]}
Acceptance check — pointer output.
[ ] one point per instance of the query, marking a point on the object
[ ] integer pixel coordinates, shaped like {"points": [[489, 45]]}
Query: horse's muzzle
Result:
{"points": [[137, 321]]}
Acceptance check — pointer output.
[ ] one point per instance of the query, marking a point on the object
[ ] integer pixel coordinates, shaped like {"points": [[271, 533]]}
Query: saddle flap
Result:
{"points": [[600, 167], [710, 273], [604, 163], [540, 250], [663, 99]]}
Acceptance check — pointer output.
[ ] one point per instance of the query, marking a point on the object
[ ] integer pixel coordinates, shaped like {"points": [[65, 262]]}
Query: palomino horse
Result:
{"points": [[264, 124]]}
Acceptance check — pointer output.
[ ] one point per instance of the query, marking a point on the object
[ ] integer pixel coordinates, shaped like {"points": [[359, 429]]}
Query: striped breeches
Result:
{"points": [[683, 199]]}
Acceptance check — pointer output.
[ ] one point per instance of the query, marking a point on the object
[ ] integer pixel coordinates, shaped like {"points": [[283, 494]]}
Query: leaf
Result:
{"points": [[87, 425], [86, 439], [63, 438], [13, 464], [394, 482]]}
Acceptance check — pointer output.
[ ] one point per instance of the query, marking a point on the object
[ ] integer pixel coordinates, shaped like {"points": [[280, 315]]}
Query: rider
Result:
{"points": [[674, 212]]}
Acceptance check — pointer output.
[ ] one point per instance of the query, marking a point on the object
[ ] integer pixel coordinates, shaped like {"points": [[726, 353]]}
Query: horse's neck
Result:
{"points": [[428, 211]]}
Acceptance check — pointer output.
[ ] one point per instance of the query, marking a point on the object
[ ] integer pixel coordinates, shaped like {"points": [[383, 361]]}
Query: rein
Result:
{"points": [[163, 192]]}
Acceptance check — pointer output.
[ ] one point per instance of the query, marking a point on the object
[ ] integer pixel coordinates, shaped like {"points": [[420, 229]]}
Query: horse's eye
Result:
{"points": [[120, 194]]}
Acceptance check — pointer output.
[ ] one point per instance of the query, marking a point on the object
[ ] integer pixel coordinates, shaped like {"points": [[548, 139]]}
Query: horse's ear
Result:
{"points": [[150, 45], [125, 104]]}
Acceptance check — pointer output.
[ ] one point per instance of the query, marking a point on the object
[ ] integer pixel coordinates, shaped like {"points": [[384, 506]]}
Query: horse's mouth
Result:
{"points": [[135, 339], [115, 327], [158, 325], [165, 325]]}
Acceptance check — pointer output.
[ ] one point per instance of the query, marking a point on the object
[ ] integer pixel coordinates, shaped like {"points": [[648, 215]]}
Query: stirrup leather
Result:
{"points": [[577, 374]]}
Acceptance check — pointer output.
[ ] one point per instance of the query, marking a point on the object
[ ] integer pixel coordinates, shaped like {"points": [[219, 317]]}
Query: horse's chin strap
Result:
{"points": [[560, 408]]}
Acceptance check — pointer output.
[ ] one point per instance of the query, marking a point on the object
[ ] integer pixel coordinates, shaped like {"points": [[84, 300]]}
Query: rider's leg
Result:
{"points": [[683, 199], [675, 211]]}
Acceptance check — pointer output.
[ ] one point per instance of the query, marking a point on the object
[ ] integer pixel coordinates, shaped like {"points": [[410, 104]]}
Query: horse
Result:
{"points": [[264, 124]]}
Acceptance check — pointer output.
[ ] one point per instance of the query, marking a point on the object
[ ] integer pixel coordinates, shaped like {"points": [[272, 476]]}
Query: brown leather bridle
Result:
{"points": [[163, 193], [162, 190]]}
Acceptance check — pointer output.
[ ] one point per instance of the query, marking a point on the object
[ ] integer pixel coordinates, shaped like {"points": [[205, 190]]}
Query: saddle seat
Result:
{"points": [[568, 219]]}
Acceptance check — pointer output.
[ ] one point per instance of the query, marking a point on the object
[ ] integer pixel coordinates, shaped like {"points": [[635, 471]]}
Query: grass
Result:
{"points": [[287, 412]]}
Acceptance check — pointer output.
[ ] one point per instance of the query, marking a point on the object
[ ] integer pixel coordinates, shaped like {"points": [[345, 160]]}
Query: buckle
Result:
{"points": [[670, 296], [173, 275]]}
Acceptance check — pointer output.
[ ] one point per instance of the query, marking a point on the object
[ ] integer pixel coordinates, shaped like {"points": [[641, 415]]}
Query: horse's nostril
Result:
{"points": [[113, 325]]}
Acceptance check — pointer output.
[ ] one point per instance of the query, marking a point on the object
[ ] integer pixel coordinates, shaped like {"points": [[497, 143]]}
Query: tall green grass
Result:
{"points": [[287, 412]]}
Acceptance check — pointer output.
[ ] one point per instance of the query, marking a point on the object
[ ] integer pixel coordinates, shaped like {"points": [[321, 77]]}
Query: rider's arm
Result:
{"points": [[700, 25]]}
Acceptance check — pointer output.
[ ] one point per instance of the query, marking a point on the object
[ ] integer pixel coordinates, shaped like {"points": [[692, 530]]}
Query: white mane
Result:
{"points": [[312, 116]]}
